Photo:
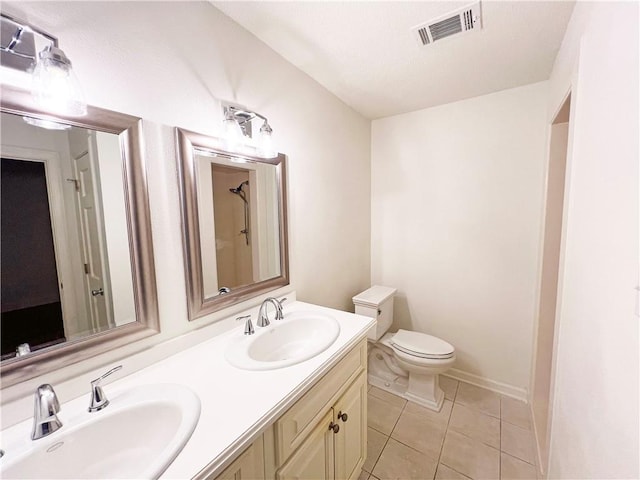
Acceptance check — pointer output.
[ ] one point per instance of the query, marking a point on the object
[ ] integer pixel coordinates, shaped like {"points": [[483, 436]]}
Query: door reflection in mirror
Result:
{"points": [[29, 288], [65, 249]]}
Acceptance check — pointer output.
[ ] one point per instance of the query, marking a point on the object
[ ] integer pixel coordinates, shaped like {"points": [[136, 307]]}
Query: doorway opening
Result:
{"points": [[31, 304], [542, 391]]}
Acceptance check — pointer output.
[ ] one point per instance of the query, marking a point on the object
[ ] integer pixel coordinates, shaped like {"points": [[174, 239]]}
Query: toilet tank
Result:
{"points": [[376, 302]]}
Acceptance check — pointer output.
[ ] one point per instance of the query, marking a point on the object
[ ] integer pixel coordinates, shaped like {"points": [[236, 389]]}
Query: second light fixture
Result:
{"points": [[238, 132]]}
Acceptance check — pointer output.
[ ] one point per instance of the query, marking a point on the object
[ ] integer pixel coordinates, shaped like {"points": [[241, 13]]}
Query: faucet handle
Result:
{"points": [[98, 380], [279, 314], [98, 398], [248, 326]]}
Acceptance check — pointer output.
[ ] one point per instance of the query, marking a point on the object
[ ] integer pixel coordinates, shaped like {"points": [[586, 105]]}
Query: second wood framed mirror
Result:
{"points": [[234, 223]]}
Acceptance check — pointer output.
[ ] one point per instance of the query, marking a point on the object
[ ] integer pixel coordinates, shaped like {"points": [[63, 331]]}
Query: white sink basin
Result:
{"points": [[298, 337], [137, 436]]}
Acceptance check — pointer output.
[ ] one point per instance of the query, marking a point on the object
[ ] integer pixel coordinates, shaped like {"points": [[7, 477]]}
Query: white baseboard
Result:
{"points": [[502, 388]]}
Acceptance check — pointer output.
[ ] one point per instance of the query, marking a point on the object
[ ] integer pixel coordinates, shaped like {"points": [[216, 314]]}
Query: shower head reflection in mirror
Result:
{"points": [[245, 204], [76, 237], [238, 247]]}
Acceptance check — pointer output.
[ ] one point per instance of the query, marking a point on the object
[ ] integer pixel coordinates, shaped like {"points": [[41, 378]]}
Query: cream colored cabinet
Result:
{"points": [[248, 466], [323, 436], [314, 458], [351, 440], [336, 447]]}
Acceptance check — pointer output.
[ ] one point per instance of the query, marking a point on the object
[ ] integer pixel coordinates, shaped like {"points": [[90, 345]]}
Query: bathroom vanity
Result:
{"points": [[306, 420]]}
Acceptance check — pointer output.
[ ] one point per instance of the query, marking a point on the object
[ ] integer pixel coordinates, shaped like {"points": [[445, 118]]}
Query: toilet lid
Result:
{"points": [[421, 345]]}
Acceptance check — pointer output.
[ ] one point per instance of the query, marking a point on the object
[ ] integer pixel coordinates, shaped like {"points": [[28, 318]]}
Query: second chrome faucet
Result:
{"points": [[263, 320]]}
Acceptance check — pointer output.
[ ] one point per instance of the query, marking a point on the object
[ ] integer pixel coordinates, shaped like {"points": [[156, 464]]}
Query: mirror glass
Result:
{"points": [[234, 223], [239, 227], [65, 247], [77, 273]]}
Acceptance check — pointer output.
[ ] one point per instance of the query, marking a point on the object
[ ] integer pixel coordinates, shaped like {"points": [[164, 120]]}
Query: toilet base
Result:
{"points": [[401, 387], [425, 390], [395, 376]]}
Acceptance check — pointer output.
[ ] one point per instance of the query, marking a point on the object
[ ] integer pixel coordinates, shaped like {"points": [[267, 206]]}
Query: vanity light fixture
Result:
{"points": [[48, 124], [54, 85], [238, 132], [231, 131]]}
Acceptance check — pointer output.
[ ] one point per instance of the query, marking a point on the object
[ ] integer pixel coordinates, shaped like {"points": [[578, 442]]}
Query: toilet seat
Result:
{"points": [[421, 345]]}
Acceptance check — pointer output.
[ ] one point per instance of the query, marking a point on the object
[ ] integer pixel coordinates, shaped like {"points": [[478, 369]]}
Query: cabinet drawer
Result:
{"points": [[294, 426]]}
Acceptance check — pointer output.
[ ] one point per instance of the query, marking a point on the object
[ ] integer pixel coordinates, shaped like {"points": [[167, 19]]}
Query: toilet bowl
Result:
{"points": [[405, 363]]}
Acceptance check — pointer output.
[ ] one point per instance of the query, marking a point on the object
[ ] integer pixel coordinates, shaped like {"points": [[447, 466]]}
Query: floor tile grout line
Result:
{"points": [[455, 396], [378, 459], [446, 430], [412, 448], [516, 425], [388, 436], [518, 458], [474, 439], [476, 409], [470, 437]]}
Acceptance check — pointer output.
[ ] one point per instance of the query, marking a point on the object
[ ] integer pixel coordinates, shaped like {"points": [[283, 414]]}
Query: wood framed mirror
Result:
{"points": [[78, 275], [234, 220]]}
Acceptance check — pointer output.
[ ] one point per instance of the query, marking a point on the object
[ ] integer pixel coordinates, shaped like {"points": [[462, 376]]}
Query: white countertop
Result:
{"points": [[237, 405]]}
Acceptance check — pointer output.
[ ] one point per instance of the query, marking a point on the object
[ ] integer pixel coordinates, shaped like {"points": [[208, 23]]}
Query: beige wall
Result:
{"points": [[172, 63], [594, 430], [456, 216]]}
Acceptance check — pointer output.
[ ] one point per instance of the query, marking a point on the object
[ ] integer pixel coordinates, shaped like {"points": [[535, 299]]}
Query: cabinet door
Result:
{"points": [[351, 441], [248, 466], [314, 458]]}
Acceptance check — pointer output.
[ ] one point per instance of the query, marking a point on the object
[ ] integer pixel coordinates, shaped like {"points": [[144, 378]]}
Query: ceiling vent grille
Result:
{"points": [[463, 20]]}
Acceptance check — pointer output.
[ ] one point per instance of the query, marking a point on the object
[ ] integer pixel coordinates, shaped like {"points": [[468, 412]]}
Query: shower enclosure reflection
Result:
{"points": [[234, 223], [239, 222]]}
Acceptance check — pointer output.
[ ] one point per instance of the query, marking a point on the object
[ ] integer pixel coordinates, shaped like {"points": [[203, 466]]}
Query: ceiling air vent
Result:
{"points": [[465, 19]]}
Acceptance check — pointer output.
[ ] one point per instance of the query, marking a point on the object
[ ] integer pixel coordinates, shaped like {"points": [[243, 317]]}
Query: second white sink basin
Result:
{"points": [[299, 337], [137, 436]]}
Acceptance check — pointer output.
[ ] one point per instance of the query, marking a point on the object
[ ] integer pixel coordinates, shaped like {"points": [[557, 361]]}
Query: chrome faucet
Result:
{"points": [[45, 420], [98, 399], [263, 320]]}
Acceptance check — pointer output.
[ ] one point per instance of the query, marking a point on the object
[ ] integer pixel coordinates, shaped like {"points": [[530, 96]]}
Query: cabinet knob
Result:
{"points": [[343, 416], [335, 427]]}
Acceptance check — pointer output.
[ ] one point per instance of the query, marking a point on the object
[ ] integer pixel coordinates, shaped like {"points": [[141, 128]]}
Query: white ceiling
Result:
{"points": [[366, 54]]}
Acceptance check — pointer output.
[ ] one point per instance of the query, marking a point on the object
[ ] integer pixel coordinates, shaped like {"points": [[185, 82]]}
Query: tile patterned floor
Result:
{"points": [[478, 434]]}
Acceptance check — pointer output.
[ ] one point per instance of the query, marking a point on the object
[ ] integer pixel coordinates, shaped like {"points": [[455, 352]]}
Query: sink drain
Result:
{"points": [[54, 447]]}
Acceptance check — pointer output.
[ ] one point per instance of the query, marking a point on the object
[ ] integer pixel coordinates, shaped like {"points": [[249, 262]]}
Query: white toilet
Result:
{"points": [[404, 363]]}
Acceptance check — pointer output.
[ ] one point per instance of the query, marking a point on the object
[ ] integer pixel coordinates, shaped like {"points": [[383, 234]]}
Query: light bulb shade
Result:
{"points": [[232, 134], [47, 124], [266, 148], [55, 86]]}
